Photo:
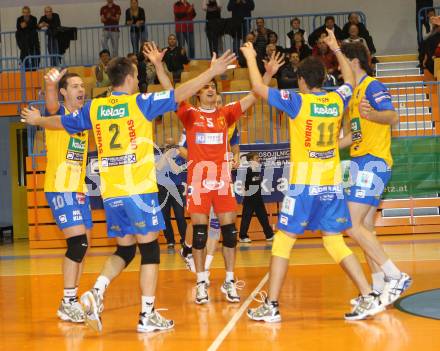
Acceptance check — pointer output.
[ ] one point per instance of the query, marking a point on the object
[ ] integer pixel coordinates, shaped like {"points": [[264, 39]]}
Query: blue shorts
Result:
{"points": [[308, 207], [136, 214], [369, 176], [70, 209]]}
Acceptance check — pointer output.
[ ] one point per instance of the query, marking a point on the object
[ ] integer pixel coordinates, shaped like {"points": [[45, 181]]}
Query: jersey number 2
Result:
{"points": [[114, 128]]}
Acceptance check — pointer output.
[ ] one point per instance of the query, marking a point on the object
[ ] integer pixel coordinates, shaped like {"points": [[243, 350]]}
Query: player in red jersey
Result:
{"points": [[209, 176]]}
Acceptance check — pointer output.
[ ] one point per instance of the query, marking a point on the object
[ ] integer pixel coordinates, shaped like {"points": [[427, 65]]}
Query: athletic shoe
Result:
{"points": [[153, 321], [189, 261], [202, 293], [366, 307], [93, 306], [245, 240], [170, 245], [356, 300], [208, 282], [267, 312], [394, 288], [229, 288], [271, 238], [71, 311]]}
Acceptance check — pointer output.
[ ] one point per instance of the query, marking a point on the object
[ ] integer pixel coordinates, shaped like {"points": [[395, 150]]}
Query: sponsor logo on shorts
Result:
{"points": [[325, 189], [117, 203], [115, 228], [360, 193], [284, 220], [322, 110], [118, 160], [342, 220], [288, 206], [141, 224], [323, 155], [326, 197], [155, 220], [62, 219], [209, 138], [112, 112]]}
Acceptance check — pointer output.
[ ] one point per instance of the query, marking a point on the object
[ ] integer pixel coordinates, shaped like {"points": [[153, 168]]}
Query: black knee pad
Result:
{"points": [[200, 236], [229, 234], [127, 253], [77, 248], [150, 252]]}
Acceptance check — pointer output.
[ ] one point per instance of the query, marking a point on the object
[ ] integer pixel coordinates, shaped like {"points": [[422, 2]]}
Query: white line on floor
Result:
{"points": [[231, 324]]}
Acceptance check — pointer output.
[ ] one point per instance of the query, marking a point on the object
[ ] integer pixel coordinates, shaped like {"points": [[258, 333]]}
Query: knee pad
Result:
{"points": [[200, 236], [282, 245], [127, 253], [336, 247], [150, 252], [77, 248], [229, 234]]}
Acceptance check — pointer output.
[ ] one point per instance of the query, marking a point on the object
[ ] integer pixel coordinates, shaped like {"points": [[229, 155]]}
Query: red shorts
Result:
{"points": [[219, 195]]}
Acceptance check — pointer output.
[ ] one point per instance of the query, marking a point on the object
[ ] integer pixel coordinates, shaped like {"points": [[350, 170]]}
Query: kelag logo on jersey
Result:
{"points": [[112, 112], [321, 110], [76, 145]]}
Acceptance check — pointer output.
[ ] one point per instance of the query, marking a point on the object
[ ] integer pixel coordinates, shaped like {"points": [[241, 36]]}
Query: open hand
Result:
{"points": [[31, 116], [220, 65], [435, 20], [248, 50], [151, 52], [273, 65], [331, 41]]}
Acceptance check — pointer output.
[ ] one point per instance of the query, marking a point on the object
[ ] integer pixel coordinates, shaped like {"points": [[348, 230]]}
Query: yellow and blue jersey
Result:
{"points": [[123, 130], [66, 160], [370, 137]]}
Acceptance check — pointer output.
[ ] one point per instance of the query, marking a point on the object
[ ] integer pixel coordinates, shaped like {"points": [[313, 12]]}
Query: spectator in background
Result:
{"points": [[253, 200], [50, 22], [175, 57], [300, 46], [184, 12], [171, 175], [250, 38], [27, 39], [353, 37], [329, 24], [353, 18], [427, 27], [419, 5], [102, 79], [110, 15], [135, 17], [327, 57], [273, 39], [261, 37], [213, 10], [240, 9], [295, 23], [133, 58], [288, 78]]}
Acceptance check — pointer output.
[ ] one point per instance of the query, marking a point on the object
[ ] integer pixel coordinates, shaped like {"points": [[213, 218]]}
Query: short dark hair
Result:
{"points": [[294, 19], [329, 18], [251, 155], [211, 81], [105, 51], [359, 51], [273, 33], [259, 18], [63, 83], [312, 70], [118, 69]]}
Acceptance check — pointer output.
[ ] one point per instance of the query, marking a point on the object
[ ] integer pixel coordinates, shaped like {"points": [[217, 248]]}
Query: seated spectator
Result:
{"points": [[427, 27], [295, 23], [353, 18], [175, 57], [133, 58], [430, 46], [273, 39], [261, 37], [329, 25], [288, 78], [327, 57], [353, 32], [250, 38], [102, 79], [300, 46]]}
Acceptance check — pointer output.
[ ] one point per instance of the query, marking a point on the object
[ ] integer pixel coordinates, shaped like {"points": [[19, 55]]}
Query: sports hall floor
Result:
{"points": [[313, 301]]}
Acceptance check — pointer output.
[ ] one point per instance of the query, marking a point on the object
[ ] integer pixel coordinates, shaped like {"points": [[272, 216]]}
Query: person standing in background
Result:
{"points": [[419, 5], [184, 12], [175, 57], [27, 39], [50, 22], [135, 17], [240, 9], [110, 15], [213, 10]]}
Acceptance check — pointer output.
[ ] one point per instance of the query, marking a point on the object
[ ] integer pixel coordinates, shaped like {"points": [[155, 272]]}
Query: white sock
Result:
{"points": [[101, 284], [69, 293], [188, 245], [390, 270], [229, 276], [378, 281], [201, 277], [147, 303], [208, 262]]}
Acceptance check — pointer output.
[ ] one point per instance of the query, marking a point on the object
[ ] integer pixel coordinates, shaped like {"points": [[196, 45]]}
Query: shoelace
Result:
{"points": [[260, 296]]}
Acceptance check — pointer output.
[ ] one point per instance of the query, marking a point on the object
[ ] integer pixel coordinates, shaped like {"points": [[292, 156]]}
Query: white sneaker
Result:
{"points": [[354, 301], [202, 293], [153, 321], [245, 240], [189, 261], [394, 288], [229, 288], [208, 282], [267, 312], [366, 307], [93, 306], [71, 311], [271, 238]]}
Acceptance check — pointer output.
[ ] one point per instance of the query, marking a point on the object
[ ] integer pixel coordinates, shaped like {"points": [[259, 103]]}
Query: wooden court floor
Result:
{"points": [[313, 301]]}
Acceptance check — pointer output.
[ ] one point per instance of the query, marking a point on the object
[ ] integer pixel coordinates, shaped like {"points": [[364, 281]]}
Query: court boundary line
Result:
{"points": [[233, 321]]}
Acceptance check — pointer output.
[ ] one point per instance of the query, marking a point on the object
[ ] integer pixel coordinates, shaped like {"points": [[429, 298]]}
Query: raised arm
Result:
{"points": [[218, 67], [32, 116], [344, 65], [258, 86], [155, 56], [52, 79]]}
